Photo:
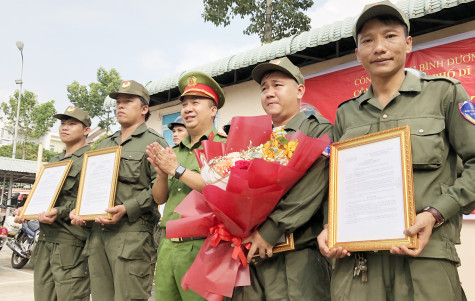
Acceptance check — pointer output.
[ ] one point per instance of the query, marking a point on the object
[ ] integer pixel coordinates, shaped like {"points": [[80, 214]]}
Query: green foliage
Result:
{"points": [[35, 119], [96, 143], [287, 17], [91, 98], [31, 152]]}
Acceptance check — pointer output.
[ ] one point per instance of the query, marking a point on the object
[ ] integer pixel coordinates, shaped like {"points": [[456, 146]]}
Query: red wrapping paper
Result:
{"points": [[228, 216]]}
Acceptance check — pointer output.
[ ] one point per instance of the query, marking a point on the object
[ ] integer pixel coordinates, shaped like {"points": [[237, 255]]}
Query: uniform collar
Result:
{"points": [[410, 84], [296, 122], [210, 135], [77, 153], [138, 131]]}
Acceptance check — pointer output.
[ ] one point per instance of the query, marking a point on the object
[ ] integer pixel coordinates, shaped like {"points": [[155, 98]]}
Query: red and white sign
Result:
{"points": [[452, 57]]}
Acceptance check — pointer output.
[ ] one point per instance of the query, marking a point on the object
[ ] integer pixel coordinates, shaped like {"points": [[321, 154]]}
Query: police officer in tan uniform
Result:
{"points": [[441, 119], [120, 250]]}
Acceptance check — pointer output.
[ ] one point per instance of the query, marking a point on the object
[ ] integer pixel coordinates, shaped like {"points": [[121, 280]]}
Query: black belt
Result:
{"points": [[182, 239]]}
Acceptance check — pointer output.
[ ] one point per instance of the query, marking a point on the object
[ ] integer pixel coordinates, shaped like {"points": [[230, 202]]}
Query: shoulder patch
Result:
{"points": [[444, 78], [467, 109]]}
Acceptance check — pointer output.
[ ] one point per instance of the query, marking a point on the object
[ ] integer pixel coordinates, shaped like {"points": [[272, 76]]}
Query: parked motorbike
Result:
{"points": [[9, 230], [24, 243]]}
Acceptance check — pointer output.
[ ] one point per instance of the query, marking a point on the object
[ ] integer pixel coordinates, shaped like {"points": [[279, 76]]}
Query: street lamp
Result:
{"points": [[20, 45]]}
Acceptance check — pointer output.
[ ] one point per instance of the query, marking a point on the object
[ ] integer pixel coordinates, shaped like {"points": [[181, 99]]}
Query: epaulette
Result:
{"points": [[449, 79], [152, 131], [348, 100], [319, 118]]}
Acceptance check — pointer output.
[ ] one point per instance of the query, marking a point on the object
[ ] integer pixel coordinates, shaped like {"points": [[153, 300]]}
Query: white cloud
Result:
{"points": [[336, 10]]}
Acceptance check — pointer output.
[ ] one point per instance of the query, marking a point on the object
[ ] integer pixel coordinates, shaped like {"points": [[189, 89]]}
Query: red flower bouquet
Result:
{"points": [[227, 212]]}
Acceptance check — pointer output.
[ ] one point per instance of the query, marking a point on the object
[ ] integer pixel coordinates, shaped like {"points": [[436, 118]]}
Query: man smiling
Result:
{"points": [[178, 174], [434, 108]]}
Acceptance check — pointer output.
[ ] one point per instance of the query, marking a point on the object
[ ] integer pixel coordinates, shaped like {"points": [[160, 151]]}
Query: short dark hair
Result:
{"points": [[144, 103], [385, 19]]}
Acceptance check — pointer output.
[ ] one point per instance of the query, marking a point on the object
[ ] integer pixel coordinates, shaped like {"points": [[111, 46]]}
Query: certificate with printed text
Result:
{"points": [[371, 195], [97, 186], [46, 189]]}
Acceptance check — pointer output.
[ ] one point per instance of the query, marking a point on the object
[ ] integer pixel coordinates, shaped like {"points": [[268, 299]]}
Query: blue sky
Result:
{"points": [[144, 40]]}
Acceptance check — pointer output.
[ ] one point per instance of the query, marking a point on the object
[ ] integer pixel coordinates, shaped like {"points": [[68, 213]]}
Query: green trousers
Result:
{"points": [[174, 259], [120, 264], [60, 273], [397, 278], [301, 275]]}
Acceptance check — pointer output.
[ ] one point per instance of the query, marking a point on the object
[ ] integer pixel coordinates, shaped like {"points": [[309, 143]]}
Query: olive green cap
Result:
{"points": [[282, 64], [133, 88], [201, 84], [76, 113], [373, 10]]}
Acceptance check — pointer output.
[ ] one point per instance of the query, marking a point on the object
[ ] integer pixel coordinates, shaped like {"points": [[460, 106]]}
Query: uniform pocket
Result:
{"points": [[69, 256], [355, 132], [427, 142], [71, 178], [130, 166]]}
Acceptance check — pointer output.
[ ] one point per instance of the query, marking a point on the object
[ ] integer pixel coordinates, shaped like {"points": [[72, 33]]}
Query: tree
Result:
{"points": [[31, 152], [271, 20], [91, 98], [35, 119]]}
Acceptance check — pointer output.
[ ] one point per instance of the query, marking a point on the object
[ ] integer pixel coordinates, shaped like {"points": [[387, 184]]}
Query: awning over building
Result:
{"points": [[23, 171], [317, 45]]}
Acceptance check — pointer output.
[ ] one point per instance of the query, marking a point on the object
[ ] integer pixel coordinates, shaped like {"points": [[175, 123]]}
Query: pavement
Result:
{"points": [[17, 284]]}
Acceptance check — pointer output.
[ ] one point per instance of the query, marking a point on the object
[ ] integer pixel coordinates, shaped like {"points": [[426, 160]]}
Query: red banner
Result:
{"points": [[456, 60]]}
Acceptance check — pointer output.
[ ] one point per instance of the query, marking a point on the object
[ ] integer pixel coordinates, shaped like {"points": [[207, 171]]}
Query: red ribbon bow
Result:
{"points": [[220, 233]]}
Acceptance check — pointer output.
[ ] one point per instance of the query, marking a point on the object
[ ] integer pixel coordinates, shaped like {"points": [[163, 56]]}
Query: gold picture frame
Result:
{"points": [[362, 215], [286, 244], [46, 189], [98, 182]]}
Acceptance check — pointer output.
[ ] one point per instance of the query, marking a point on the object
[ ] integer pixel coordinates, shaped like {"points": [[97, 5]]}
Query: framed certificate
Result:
{"points": [[46, 189], [371, 195], [285, 243], [98, 182]]}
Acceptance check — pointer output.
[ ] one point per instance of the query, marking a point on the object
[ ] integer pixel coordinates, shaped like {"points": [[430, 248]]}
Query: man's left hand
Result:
{"points": [[422, 227], [258, 244], [48, 217], [117, 212]]}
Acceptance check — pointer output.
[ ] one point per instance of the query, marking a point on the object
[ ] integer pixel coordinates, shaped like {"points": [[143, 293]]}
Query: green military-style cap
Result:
{"points": [[282, 64], [133, 88], [76, 113], [201, 84], [373, 10]]}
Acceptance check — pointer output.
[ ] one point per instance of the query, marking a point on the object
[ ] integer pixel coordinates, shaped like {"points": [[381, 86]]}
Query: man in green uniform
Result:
{"points": [[178, 174], [60, 270], [120, 250], [438, 111], [303, 273]]}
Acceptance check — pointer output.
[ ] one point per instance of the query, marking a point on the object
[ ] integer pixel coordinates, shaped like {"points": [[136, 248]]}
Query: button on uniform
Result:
{"points": [[385, 116]]}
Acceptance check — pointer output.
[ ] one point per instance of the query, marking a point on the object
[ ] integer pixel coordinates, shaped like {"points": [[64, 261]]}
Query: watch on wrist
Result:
{"points": [[179, 171], [439, 219]]}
